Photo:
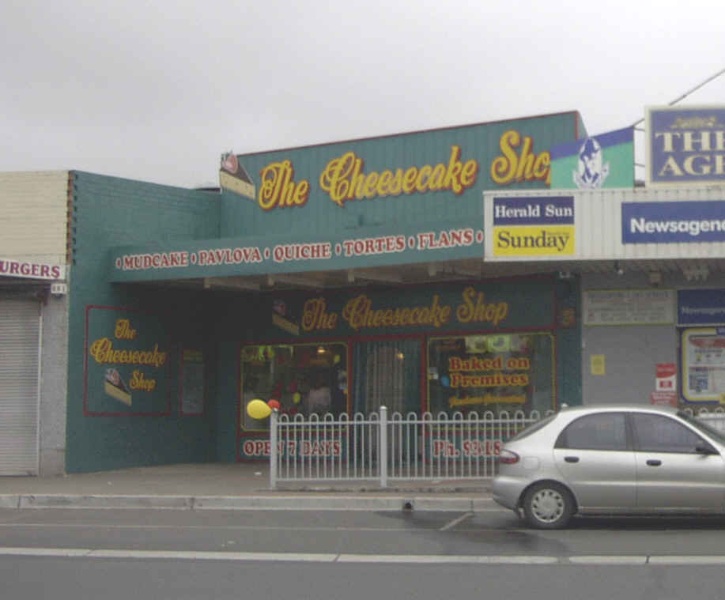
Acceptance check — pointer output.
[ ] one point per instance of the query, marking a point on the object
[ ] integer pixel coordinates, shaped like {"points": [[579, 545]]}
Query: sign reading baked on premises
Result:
{"points": [[685, 145]]}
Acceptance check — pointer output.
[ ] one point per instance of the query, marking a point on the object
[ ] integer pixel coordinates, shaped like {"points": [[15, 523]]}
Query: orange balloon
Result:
{"points": [[274, 404]]}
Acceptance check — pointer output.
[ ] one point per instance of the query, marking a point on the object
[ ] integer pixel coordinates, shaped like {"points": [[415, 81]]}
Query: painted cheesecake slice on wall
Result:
{"points": [[234, 177], [115, 387]]}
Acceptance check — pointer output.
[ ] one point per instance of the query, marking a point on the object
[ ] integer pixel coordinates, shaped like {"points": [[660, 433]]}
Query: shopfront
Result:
{"points": [[343, 276], [651, 271], [653, 314], [426, 272], [33, 316], [505, 345]]}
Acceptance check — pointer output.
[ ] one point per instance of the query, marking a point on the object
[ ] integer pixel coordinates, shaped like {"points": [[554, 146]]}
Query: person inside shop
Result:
{"points": [[319, 398]]}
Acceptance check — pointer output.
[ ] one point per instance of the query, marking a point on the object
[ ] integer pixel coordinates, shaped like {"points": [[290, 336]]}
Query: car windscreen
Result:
{"points": [[702, 425]]}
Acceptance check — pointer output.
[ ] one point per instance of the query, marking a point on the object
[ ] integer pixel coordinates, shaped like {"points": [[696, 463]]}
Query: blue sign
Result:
{"points": [[685, 145], [539, 210], [701, 307], [602, 161], [673, 222]]}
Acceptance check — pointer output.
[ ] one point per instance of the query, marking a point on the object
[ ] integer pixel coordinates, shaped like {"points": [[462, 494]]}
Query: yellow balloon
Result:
{"points": [[258, 409], [296, 397]]}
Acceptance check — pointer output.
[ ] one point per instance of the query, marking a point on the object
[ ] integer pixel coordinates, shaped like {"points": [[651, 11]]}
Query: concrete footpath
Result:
{"points": [[234, 487]]}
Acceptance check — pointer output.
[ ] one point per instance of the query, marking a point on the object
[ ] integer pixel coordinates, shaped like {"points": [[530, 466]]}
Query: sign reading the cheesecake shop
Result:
{"points": [[452, 164], [126, 363], [504, 305]]}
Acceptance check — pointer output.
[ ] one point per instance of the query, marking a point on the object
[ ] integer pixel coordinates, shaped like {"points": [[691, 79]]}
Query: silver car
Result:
{"points": [[612, 460]]}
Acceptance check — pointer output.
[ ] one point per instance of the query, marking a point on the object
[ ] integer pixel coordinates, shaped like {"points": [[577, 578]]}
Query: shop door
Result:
{"points": [[19, 376], [387, 373]]}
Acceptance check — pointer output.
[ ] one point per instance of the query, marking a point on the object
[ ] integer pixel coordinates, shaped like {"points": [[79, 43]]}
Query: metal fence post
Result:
{"points": [[273, 420], [383, 447]]}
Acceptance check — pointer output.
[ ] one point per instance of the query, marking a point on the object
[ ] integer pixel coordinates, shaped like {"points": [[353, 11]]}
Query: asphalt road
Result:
{"points": [[341, 555]]}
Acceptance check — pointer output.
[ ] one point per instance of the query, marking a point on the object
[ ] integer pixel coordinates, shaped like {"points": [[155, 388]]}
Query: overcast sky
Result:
{"points": [[156, 91]]}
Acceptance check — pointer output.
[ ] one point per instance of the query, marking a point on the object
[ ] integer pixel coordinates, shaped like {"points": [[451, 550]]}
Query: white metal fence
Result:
{"points": [[714, 418], [381, 447]]}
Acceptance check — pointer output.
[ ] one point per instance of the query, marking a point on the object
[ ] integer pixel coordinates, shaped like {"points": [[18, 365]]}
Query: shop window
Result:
{"points": [[491, 372], [296, 378], [703, 364]]}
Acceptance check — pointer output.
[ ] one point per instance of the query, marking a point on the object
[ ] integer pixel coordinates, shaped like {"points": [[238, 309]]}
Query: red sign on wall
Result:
{"points": [[663, 398], [666, 377]]}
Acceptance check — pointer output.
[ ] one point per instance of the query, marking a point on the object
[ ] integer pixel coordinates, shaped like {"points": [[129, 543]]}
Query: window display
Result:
{"points": [[293, 378], [703, 364], [491, 372]]}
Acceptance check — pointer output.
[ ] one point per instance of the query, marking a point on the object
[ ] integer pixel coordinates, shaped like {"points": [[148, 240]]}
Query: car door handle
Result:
{"points": [[571, 459], [653, 462]]}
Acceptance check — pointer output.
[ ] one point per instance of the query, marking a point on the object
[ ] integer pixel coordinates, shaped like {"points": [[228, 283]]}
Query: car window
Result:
{"points": [[706, 427], [603, 431], [658, 433], [534, 427]]}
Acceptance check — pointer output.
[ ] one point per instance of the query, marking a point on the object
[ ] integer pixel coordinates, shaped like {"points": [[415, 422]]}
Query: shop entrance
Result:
{"points": [[387, 373], [19, 376]]}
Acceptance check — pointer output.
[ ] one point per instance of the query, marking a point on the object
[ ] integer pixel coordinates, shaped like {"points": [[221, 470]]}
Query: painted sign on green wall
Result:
{"points": [[448, 308], [126, 363]]}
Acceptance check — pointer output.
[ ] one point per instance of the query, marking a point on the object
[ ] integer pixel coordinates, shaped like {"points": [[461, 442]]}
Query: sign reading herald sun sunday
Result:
{"points": [[533, 226], [685, 145]]}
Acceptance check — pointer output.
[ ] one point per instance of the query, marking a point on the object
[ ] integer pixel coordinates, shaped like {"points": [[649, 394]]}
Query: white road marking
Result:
{"points": [[55, 552], [609, 560], [687, 560], [454, 522], [148, 527], [602, 561], [444, 559]]}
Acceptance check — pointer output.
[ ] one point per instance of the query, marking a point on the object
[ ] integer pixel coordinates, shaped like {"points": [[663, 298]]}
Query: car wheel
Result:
{"points": [[548, 505]]}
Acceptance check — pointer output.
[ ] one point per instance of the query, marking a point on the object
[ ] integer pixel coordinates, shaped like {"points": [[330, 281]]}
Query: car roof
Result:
{"points": [[595, 408]]}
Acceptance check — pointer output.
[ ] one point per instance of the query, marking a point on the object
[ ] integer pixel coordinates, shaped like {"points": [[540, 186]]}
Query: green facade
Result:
{"points": [[366, 199], [479, 143], [108, 212], [156, 369]]}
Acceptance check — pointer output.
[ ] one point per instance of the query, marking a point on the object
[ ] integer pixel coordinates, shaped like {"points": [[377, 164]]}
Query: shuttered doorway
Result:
{"points": [[19, 351]]}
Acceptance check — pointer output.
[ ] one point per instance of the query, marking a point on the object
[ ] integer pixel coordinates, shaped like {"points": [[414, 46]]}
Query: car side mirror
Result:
{"points": [[705, 448]]}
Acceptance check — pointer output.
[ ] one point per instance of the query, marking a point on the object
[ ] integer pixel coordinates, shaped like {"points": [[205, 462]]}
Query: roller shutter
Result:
{"points": [[19, 376]]}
